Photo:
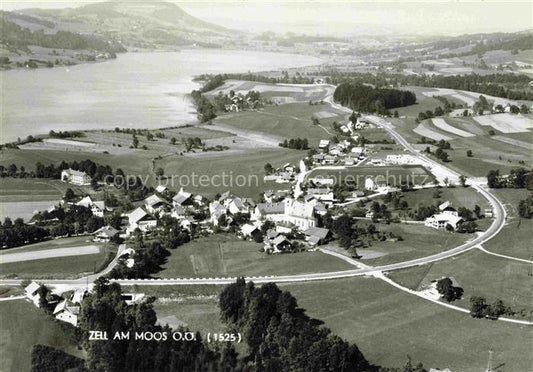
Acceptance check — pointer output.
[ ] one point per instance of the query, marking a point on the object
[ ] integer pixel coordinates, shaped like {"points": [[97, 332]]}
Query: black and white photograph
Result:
{"points": [[266, 186]]}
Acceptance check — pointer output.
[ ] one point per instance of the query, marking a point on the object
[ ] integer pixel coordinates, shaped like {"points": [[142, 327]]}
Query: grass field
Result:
{"points": [[418, 241], [286, 121], [515, 238], [22, 325], [388, 325], [61, 267], [251, 165], [392, 175], [458, 196], [225, 255], [479, 274]]}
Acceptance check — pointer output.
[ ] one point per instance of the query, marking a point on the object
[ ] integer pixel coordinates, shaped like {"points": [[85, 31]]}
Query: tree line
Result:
{"points": [[361, 97]]}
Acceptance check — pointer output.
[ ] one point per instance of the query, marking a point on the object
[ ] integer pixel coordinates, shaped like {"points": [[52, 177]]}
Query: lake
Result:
{"points": [[137, 90]]}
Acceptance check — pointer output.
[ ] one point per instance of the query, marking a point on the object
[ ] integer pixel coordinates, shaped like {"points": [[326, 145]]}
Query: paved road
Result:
{"points": [[493, 230]]}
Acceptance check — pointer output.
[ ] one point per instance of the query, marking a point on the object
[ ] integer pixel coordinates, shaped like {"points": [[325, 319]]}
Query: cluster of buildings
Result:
{"points": [[75, 177], [447, 218], [343, 153]]}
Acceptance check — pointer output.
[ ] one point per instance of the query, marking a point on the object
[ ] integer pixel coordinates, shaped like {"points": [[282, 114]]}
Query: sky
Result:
{"points": [[421, 17]]}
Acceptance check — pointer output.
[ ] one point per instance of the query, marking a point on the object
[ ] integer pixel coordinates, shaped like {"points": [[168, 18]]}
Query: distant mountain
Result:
{"points": [[133, 24]]}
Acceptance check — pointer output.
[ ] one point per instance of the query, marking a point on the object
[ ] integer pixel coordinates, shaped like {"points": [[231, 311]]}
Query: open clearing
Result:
{"points": [[388, 324], [479, 274], [418, 241], [42, 265], [441, 124], [506, 123], [514, 142], [425, 129], [22, 325], [48, 253], [225, 255]]}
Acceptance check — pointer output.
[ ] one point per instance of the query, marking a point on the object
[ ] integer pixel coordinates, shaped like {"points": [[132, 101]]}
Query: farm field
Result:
{"points": [[296, 93], [250, 166], [392, 175], [479, 274], [22, 325], [515, 238], [58, 267], [418, 241], [458, 196], [387, 324], [287, 121], [225, 255]]}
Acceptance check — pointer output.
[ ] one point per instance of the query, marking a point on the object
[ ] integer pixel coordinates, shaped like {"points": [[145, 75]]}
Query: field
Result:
{"points": [[60, 267], [479, 274], [225, 255], [22, 325], [287, 121], [515, 238], [388, 325], [458, 196], [392, 175], [418, 241]]}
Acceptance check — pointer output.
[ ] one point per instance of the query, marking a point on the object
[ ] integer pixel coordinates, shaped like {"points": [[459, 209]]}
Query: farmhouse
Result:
{"points": [[140, 219], [250, 231], [182, 198], [447, 217], [105, 234], [323, 144], [32, 292], [155, 204], [67, 312], [300, 214], [75, 177], [317, 235], [97, 207]]}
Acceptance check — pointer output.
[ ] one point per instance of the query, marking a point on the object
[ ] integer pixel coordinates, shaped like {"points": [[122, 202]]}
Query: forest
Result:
{"points": [[364, 98]]}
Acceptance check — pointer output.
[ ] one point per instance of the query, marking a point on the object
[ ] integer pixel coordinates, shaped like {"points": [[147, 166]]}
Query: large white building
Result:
{"points": [[447, 216], [75, 177], [300, 214]]}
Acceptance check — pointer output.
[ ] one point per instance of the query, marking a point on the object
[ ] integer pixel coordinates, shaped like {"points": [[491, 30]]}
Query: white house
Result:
{"points": [[323, 144], [97, 207], [139, 218], [250, 231], [32, 294], [216, 211], [323, 194], [447, 216], [370, 184], [67, 312], [105, 234], [75, 177], [182, 198], [155, 204], [291, 211]]}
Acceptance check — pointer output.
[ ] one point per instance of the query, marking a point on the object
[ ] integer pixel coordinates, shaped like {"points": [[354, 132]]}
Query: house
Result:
{"points": [[317, 235], [178, 212], [161, 189], [75, 177], [274, 196], [155, 204], [236, 205], [98, 208], [323, 194], [105, 234], [129, 252], [66, 311], [323, 144], [319, 181], [488, 212], [299, 213], [85, 202], [140, 219], [329, 159], [78, 296], [370, 185], [32, 293], [132, 298], [349, 161], [448, 216], [357, 151], [182, 198], [250, 231], [216, 211], [447, 208], [280, 244]]}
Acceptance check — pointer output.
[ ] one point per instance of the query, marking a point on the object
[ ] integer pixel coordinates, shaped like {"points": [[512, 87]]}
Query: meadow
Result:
{"points": [[23, 325], [59, 267], [479, 274], [225, 255]]}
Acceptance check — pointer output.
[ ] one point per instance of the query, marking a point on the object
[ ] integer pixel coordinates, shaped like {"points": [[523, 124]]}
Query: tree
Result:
{"points": [[439, 111], [173, 141], [493, 179], [135, 141], [269, 169], [448, 291], [525, 207], [462, 180], [396, 114], [469, 153], [159, 172], [69, 195], [524, 110], [514, 109], [478, 306]]}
